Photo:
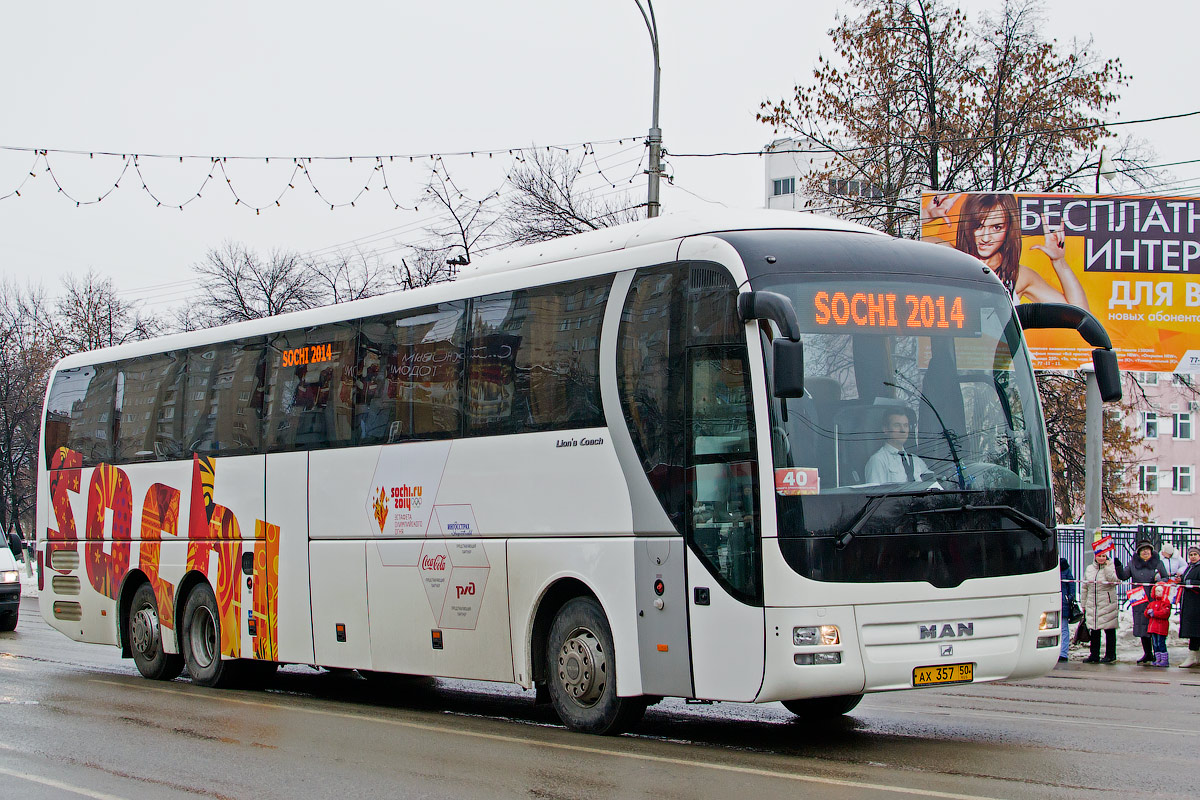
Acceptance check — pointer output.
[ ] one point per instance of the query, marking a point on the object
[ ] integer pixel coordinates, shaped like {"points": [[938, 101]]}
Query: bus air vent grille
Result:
{"points": [[64, 584], [67, 610], [64, 559]]}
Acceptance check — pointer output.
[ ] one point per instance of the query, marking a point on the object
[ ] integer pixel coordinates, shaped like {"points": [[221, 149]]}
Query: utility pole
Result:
{"points": [[1093, 452], [654, 139]]}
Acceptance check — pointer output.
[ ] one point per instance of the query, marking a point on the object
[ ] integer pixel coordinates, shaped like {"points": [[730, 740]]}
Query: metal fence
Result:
{"points": [[1075, 544]]}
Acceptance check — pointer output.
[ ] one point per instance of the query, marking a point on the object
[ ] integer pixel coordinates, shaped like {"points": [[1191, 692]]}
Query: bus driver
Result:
{"points": [[892, 463]]}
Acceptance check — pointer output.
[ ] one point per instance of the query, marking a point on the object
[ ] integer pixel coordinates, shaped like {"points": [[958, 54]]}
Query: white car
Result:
{"points": [[10, 589]]}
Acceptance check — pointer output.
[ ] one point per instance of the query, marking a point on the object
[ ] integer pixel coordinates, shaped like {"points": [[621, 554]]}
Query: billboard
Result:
{"points": [[1133, 261]]}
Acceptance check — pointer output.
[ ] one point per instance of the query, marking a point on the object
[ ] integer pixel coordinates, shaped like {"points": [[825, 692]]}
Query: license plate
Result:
{"points": [[946, 673]]}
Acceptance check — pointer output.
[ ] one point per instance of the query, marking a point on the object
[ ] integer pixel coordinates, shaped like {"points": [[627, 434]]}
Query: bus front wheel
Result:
{"points": [[145, 638], [581, 671], [823, 707], [201, 639]]}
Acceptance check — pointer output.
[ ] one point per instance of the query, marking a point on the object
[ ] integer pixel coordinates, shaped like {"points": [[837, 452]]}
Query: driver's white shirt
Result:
{"points": [[886, 466]]}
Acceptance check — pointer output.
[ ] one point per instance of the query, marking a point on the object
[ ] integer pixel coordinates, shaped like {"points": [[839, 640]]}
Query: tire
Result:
{"points": [[8, 622], [823, 707], [145, 638], [581, 672], [201, 639]]}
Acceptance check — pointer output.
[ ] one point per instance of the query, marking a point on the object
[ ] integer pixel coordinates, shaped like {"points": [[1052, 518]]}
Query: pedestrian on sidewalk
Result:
{"points": [[1067, 581], [1158, 621], [1099, 601], [1189, 616], [1143, 571], [1173, 564]]}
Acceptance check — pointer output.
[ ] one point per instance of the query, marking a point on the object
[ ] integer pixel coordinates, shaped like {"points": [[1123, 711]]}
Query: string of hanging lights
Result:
{"points": [[126, 164]]}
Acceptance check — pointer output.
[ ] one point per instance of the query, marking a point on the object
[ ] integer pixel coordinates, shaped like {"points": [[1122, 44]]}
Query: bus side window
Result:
{"points": [[650, 348], [81, 405], [64, 410], [224, 397], [422, 378], [311, 388], [534, 359], [150, 394]]}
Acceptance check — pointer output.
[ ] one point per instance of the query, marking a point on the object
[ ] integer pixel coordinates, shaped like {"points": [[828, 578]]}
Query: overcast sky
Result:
{"points": [[307, 78]]}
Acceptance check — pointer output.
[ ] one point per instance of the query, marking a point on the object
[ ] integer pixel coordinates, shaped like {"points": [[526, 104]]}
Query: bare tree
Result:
{"points": [[28, 350], [425, 267], [353, 276], [238, 285], [547, 202], [918, 97], [465, 227], [90, 314], [1064, 414]]}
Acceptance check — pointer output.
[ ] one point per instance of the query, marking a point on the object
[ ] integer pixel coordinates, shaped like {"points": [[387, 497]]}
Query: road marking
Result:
{"points": [[574, 748], [951, 712], [53, 784]]}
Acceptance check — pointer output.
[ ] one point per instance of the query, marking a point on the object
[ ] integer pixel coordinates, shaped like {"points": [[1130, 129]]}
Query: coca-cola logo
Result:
{"points": [[437, 562]]}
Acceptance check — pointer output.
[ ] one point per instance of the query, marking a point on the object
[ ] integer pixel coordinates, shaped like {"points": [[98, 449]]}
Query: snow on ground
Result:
{"points": [[1129, 647], [28, 580]]}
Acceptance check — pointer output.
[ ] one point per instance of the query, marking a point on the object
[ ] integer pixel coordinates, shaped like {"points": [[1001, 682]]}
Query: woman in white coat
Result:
{"points": [[1099, 601]]}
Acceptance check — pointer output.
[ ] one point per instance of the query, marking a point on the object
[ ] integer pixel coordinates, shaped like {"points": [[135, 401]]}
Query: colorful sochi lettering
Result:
{"points": [[108, 492], [213, 529], [214, 544], [65, 477], [160, 514]]}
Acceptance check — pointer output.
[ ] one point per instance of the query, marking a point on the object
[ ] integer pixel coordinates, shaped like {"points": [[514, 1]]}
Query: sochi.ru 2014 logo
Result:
{"points": [[381, 509], [407, 497]]}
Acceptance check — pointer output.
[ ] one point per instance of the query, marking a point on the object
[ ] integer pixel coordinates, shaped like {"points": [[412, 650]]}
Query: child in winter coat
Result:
{"points": [[1158, 616]]}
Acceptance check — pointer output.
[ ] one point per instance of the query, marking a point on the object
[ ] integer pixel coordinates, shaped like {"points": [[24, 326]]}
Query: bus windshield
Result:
{"points": [[919, 403]]}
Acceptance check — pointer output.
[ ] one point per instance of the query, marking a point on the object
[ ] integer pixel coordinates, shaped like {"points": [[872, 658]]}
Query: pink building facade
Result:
{"points": [[1167, 425]]}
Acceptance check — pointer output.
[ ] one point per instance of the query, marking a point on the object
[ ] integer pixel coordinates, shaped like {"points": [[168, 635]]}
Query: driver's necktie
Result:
{"points": [[908, 465]]}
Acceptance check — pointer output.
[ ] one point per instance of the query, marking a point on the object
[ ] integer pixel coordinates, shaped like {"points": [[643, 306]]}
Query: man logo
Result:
{"points": [[947, 649], [947, 631]]}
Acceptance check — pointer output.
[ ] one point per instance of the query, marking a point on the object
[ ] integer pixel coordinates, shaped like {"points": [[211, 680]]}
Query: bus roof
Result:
{"points": [[659, 229], [666, 228]]}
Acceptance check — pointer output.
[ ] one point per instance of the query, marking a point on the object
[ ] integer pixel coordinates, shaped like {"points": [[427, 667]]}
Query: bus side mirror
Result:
{"points": [[789, 368], [1108, 374], [1065, 315]]}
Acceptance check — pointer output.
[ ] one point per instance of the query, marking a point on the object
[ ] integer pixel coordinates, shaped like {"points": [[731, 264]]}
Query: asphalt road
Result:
{"points": [[77, 721]]}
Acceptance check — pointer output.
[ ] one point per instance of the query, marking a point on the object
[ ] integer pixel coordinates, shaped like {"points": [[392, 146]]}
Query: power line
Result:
{"points": [[963, 140]]}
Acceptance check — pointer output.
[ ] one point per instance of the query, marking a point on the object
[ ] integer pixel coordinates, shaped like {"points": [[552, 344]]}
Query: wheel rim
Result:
{"points": [[582, 668], [143, 633], [203, 637]]}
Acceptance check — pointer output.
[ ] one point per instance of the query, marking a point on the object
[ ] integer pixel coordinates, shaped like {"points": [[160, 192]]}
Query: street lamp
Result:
{"points": [[655, 137]]}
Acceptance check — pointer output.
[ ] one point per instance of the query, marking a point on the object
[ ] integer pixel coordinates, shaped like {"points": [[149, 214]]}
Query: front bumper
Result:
{"points": [[10, 597], [881, 644]]}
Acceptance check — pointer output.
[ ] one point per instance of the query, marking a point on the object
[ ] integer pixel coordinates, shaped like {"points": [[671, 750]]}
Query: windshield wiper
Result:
{"points": [[1031, 524], [876, 500]]}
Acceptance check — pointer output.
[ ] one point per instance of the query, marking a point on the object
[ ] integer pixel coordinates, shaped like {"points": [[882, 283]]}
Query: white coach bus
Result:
{"points": [[638, 463]]}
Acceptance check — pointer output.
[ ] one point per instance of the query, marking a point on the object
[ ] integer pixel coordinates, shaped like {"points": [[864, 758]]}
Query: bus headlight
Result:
{"points": [[1050, 621], [10, 576], [816, 635]]}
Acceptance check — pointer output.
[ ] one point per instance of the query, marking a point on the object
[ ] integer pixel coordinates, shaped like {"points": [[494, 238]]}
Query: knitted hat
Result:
{"points": [[1193, 549], [1168, 550]]}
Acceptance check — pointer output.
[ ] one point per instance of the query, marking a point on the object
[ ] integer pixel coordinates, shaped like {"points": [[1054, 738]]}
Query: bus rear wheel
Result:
{"points": [[145, 638], [581, 672], [823, 707], [201, 639]]}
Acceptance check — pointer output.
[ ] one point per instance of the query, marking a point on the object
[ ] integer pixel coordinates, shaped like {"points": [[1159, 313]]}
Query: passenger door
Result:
{"points": [[723, 532]]}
